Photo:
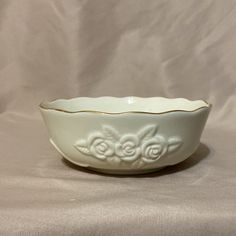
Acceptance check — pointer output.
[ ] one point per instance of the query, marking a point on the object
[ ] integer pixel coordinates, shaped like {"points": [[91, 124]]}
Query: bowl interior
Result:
{"points": [[125, 104]]}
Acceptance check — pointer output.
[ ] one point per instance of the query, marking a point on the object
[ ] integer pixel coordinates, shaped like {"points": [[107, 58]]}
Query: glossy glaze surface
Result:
{"points": [[127, 135]]}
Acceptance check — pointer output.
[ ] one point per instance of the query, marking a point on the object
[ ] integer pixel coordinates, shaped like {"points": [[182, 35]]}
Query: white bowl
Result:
{"points": [[127, 135]]}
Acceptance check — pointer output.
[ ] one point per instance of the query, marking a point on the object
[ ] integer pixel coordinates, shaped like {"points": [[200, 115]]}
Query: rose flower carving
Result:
{"points": [[144, 147]]}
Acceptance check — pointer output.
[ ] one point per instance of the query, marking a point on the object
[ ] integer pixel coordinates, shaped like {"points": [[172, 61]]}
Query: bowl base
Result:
{"points": [[124, 172]]}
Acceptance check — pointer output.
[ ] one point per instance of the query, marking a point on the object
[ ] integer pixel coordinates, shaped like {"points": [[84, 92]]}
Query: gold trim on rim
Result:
{"points": [[41, 105]]}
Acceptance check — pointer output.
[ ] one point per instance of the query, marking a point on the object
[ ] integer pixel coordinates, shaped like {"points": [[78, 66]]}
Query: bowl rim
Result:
{"points": [[43, 105]]}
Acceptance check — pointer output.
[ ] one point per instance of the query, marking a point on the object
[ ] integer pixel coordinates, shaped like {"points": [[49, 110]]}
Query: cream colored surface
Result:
{"points": [[54, 48], [128, 139], [125, 104]]}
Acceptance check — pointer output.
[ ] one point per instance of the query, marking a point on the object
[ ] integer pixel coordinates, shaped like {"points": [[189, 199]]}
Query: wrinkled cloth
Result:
{"points": [[60, 49]]}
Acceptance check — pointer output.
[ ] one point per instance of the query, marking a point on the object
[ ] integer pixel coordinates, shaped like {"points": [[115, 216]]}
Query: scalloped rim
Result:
{"points": [[44, 105]]}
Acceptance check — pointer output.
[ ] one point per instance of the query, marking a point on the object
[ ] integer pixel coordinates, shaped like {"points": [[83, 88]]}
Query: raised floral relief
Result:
{"points": [[144, 147]]}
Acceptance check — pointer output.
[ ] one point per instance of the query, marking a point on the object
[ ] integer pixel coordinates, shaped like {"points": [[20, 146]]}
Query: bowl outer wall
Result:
{"points": [[66, 128]]}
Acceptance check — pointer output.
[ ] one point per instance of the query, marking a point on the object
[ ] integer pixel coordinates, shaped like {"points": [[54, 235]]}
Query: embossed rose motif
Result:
{"points": [[100, 147], [144, 147], [128, 147], [154, 148]]}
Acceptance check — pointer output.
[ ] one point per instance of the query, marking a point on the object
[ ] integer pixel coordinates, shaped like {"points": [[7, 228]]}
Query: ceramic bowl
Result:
{"points": [[128, 135]]}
